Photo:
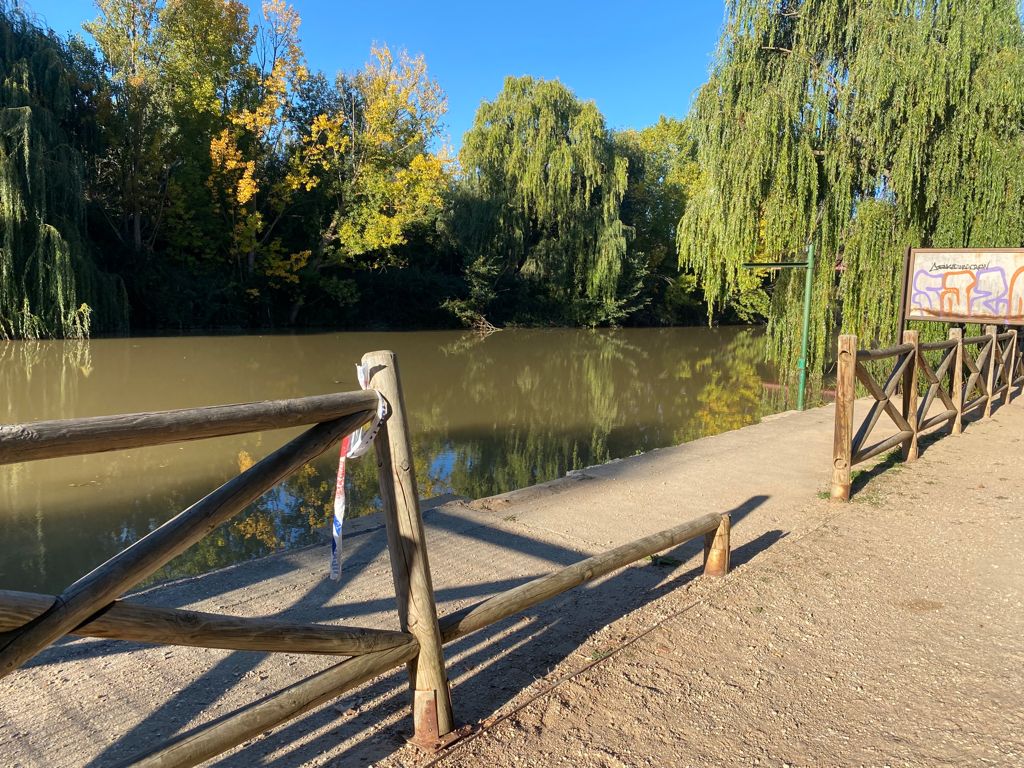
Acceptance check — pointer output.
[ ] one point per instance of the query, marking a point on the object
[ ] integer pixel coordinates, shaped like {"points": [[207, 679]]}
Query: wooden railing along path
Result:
{"points": [[968, 374], [92, 606]]}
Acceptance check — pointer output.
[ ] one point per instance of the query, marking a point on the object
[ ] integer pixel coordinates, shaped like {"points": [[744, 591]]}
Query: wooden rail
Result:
{"points": [[72, 437], [91, 606], [126, 620], [210, 739], [993, 366], [517, 599]]}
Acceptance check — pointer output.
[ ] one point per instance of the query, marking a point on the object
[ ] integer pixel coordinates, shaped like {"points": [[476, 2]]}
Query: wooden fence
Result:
{"points": [[964, 375], [91, 606]]}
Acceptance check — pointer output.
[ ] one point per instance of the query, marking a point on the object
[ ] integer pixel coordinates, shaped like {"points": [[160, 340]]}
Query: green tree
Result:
{"points": [[365, 147], [538, 210], [135, 167], [864, 127], [207, 75], [661, 170], [49, 283]]}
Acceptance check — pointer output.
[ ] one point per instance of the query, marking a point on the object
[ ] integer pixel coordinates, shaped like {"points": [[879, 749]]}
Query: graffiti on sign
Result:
{"points": [[977, 286]]}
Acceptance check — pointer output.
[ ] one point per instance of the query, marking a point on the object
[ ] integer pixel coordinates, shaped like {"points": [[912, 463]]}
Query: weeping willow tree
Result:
{"points": [[48, 284], [538, 209], [863, 127]]}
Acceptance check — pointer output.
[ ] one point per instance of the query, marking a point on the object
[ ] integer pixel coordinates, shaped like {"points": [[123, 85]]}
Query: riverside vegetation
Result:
{"points": [[165, 178]]}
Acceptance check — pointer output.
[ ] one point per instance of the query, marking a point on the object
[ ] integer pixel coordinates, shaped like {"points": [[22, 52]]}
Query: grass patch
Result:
{"points": [[662, 561]]}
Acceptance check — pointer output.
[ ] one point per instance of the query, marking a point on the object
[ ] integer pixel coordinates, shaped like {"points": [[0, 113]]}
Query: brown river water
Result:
{"points": [[487, 415]]}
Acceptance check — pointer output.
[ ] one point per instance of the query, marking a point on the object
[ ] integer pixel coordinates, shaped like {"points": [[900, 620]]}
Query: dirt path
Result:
{"points": [[888, 631], [892, 633]]}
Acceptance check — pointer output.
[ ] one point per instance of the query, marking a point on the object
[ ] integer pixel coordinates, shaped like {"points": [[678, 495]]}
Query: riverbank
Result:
{"points": [[817, 589]]}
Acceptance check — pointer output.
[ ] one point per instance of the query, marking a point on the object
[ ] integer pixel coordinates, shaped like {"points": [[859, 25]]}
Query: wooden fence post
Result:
{"points": [[716, 550], [958, 379], [842, 443], [417, 611], [1011, 366], [910, 449], [990, 374]]}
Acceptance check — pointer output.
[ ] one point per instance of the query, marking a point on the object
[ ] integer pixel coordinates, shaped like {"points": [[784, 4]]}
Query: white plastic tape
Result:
{"points": [[352, 447]]}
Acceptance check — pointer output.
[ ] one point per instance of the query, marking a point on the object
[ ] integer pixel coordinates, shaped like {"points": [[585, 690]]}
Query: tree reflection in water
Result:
{"points": [[487, 415]]}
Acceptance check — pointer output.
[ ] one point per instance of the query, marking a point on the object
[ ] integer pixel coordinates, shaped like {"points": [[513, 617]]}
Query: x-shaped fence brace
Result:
{"points": [[935, 381], [904, 354], [977, 380], [994, 367]]}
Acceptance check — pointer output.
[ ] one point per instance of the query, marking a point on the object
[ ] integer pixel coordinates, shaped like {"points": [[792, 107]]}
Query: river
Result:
{"points": [[487, 415]]}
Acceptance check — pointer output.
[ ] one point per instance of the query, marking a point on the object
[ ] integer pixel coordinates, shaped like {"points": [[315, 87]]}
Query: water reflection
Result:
{"points": [[487, 416]]}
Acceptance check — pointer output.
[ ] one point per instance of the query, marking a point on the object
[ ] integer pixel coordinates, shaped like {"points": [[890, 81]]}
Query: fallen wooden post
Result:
{"points": [[501, 606]]}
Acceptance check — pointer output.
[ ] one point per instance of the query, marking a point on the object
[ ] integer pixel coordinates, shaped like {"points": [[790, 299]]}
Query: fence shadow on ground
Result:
{"points": [[487, 668]]}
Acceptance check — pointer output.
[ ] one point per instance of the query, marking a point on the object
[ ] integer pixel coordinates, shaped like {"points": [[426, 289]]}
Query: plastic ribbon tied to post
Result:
{"points": [[352, 447]]}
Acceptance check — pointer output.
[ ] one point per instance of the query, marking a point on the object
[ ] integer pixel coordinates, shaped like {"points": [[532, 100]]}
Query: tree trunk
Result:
{"points": [[137, 231]]}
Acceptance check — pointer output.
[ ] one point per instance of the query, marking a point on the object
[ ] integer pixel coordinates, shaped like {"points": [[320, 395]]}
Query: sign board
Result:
{"points": [[966, 285]]}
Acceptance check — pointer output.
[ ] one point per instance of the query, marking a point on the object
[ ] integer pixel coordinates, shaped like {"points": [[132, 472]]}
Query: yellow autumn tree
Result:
{"points": [[246, 155], [374, 152]]}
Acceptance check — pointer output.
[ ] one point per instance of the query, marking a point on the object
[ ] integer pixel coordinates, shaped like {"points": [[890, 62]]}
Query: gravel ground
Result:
{"points": [[883, 632], [891, 634]]}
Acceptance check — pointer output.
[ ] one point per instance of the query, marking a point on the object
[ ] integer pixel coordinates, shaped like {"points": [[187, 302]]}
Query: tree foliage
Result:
{"points": [[540, 213], [49, 282], [187, 148], [661, 174], [864, 127]]}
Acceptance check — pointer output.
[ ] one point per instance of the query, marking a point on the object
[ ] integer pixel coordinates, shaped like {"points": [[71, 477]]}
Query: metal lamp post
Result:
{"points": [[808, 275]]}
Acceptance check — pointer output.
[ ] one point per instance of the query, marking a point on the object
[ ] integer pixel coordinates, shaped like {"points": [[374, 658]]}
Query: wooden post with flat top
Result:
{"points": [[417, 611], [990, 373], [957, 372], [910, 449], [842, 445], [716, 550], [1011, 366]]}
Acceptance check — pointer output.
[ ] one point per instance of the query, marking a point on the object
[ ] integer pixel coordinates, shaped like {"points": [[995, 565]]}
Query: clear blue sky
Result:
{"points": [[637, 60]]}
